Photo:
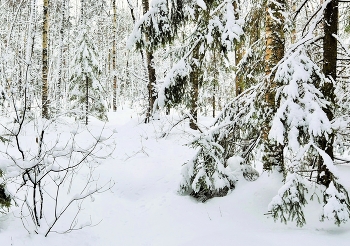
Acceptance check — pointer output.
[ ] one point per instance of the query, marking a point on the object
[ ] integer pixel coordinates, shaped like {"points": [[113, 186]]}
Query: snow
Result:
{"points": [[235, 163], [143, 207], [201, 4], [334, 205]]}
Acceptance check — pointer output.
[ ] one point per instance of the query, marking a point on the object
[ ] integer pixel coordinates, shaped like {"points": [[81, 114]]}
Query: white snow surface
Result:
{"points": [[143, 207], [201, 4]]}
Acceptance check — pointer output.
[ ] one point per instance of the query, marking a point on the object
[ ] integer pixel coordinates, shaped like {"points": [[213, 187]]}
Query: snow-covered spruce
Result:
{"points": [[288, 204], [299, 123], [337, 204], [86, 92], [207, 174], [213, 27], [155, 24]]}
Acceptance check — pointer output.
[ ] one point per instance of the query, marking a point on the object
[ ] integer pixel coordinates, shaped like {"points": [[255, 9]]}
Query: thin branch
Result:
{"points": [[299, 9]]}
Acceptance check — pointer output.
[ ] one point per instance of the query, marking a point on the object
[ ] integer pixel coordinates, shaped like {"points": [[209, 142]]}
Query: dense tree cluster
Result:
{"points": [[285, 113]]}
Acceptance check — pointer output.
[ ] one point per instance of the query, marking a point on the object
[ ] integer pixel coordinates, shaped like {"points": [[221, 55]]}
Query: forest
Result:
{"points": [[215, 112]]}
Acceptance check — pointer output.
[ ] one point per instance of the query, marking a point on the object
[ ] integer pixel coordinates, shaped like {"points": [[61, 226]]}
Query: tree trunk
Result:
{"points": [[294, 34], [29, 52], [44, 100], [213, 100], [152, 94], [214, 82], [330, 27], [87, 101], [273, 152], [194, 81], [82, 14], [114, 51], [61, 59], [239, 81], [82, 23]]}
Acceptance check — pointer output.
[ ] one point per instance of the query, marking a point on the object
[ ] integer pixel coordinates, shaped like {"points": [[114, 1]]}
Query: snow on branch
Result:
{"points": [[153, 28], [208, 174], [337, 206]]}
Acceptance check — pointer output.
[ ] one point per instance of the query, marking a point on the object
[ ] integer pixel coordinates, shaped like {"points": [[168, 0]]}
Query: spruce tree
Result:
{"points": [[298, 123], [305, 123], [86, 91], [233, 134], [210, 26], [45, 65]]}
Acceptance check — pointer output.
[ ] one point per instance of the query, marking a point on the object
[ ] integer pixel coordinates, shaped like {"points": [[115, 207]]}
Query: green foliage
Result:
{"points": [[175, 93], [2, 139], [5, 199], [234, 133], [205, 176], [156, 27], [347, 29], [288, 204], [86, 91], [204, 29], [302, 126]]}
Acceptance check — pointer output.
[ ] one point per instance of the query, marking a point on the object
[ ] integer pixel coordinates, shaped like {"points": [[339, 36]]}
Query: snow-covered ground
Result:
{"points": [[143, 207]]}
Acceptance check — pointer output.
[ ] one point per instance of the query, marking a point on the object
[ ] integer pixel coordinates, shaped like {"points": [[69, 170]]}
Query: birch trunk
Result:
{"points": [[45, 102], [114, 56], [61, 58]]}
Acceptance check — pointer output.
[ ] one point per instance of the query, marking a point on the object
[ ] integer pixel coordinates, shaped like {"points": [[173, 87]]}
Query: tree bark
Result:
{"points": [[213, 100], [61, 60], [239, 82], [274, 52], [152, 94], [294, 34], [194, 81], [214, 82], [44, 100], [330, 27], [114, 51], [87, 101]]}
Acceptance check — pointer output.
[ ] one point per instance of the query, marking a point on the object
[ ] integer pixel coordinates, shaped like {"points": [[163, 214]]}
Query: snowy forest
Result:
{"points": [[174, 122]]}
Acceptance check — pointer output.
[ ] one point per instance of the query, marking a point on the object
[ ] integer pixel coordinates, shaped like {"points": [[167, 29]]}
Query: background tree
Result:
{"points": [[199, 33], [150, 69], [114, 53], [63, 50], [45, 67], [86, 91]]}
